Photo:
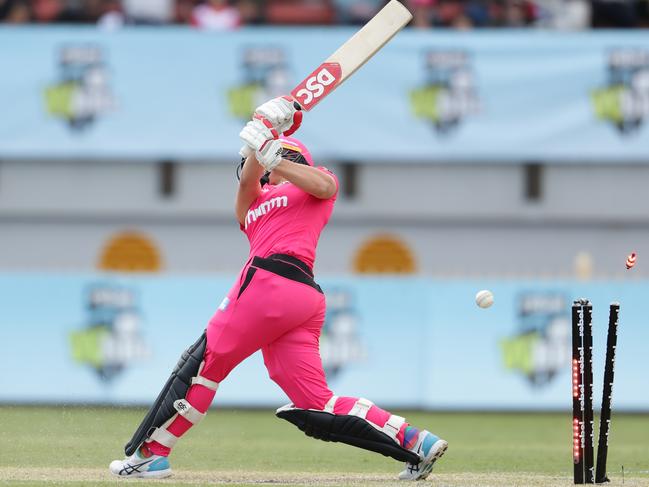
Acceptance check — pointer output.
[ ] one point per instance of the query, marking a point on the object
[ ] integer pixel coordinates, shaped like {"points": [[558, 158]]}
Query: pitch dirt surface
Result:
{"points": [[89, 476], [73, 447]]}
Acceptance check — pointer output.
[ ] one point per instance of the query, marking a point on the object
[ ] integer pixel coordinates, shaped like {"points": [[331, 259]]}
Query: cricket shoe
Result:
{"points": [[142, 464], [429, 448]]}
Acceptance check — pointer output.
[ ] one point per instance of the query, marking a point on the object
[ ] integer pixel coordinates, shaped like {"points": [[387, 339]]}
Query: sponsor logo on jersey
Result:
{"points": [[224, 304], [264, 208]]}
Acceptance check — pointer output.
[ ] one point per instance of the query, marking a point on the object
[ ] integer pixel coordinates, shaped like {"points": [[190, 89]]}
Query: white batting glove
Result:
{"points": [[270, 155], [256, 133], [245, 151], [261, 138], [283, 113]]}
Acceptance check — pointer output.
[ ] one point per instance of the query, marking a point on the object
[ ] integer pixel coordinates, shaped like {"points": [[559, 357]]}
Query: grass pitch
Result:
{"points": [[73, 447]]}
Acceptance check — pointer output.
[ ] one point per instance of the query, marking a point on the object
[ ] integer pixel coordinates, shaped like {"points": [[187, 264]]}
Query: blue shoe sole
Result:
{"points": [[437, 450]]}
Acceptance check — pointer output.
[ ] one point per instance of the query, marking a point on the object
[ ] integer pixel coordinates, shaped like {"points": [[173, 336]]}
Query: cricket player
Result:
{"points": [[282, 204]]}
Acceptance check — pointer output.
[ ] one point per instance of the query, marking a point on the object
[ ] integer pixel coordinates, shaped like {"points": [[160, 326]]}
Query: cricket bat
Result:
{"points": [[351, 55]]}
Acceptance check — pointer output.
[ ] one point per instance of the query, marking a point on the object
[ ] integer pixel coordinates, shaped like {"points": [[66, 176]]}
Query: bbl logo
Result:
{"points": [[448, 95], [624, 101], [339, 342], [265, 76], [541, 347], [82, 92], [111, 337]]}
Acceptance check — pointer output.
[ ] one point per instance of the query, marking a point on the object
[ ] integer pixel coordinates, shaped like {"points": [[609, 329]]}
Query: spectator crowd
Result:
{"points": [[231, 14]]}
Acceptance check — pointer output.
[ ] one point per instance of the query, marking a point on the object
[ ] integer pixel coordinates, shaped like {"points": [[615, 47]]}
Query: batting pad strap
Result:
{"points": [[189, 412], [202, 381], [284, 408], [393, 425], [361, 407], [162, 436], [331, 404]]}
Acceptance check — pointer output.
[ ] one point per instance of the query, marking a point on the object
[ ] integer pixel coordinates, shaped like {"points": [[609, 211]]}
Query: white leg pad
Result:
{"points": [[331, 404], [393, 425], [187, 411], [361, 407]]}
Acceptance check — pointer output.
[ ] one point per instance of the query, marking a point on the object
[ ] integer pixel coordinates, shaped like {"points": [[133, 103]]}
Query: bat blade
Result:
{"points": [[352, 55]]}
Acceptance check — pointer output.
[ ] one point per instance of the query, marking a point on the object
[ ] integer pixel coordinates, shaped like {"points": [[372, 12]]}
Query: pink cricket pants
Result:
{"points": [[283, 318]]}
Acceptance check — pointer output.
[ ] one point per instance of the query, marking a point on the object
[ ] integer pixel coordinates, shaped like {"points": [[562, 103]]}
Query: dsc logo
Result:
{"points": [[319, 83], [181, 405], [315, 86]]}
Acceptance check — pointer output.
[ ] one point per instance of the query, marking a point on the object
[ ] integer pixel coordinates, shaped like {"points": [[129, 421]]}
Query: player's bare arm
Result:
{"points": [[249, 187], [314, 181], [262, 152]]}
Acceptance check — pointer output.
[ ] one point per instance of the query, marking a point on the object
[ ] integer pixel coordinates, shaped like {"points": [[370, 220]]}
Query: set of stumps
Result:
{"points": [[583, 437]]}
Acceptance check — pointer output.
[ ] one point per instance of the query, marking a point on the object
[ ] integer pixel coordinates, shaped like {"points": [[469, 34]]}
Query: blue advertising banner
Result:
{"points": [[149, 93], [410, 343]]}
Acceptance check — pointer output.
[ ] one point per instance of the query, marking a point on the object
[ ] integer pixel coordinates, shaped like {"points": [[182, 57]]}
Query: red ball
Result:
{"points": [[630, 260]]}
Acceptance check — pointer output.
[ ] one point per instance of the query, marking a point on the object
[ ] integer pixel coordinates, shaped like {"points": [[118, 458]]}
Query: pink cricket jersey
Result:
{"points": [[287, 220]]}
